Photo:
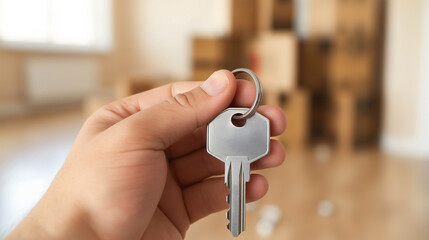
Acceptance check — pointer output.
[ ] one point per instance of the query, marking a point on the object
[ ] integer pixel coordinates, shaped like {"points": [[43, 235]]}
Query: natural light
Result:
{"points": [[56, 24]]}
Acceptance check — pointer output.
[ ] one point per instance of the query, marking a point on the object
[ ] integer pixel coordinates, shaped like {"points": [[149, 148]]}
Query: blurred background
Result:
{"points": [[351, 75]]}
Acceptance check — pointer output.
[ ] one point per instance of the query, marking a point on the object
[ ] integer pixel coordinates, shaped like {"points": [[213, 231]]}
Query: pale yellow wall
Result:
{"points": [[402, 66], [406, 78], [123, 60], [152, 39], [168, 27]]}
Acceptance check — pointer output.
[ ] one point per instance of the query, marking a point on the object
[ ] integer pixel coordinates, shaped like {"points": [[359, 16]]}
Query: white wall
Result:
{"points": [[424, 90], [406, 115], [167, 30]]}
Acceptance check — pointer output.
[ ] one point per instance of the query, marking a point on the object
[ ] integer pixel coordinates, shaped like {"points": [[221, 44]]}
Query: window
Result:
{"points": [[75, 25]]}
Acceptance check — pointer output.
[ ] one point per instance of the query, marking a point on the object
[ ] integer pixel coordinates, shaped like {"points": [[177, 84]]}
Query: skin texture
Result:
{"points": [[139, 169]]}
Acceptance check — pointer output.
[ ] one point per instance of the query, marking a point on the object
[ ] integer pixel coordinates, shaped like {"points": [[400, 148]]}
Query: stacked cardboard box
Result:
{"points": [[252, 17], [244, 18], [313, 64], [355, 119], [276, 60], [313, 76], [283, 14], [320, 19], [363, 14], [356, 52], [320, 117], [354, 73], [295, 104], [343, 120], [212, 54], [274, 15], [261, 39]]}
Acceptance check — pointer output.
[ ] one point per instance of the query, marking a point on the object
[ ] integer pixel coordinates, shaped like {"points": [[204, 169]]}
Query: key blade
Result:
{"points": [[237, 147], [236, 175]]}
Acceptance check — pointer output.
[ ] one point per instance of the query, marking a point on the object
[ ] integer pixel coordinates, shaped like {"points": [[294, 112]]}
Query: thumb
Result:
{"points": [[165, 123]]}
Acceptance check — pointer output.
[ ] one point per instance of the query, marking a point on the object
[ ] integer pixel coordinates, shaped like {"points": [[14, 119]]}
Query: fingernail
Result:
{"points": [[216, 83]]}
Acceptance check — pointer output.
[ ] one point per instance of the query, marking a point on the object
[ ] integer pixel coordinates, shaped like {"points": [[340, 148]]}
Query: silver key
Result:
{"points": [[238, 147]]}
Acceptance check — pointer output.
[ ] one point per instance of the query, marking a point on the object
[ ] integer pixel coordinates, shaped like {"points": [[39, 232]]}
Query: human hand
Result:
{"points": [[139, 169]]}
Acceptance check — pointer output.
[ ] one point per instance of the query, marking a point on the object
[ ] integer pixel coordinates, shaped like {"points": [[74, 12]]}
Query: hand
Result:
{"points": [[139, 168]]}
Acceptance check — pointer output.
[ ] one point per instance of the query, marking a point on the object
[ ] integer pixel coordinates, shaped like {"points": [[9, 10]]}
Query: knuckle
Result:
{"points": [[186, 100]]}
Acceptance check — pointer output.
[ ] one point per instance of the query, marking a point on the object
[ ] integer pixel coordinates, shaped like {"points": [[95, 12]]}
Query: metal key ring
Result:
{"points": [[258, 97]]}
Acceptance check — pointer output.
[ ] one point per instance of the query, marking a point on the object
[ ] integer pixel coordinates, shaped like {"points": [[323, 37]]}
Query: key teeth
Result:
{"points": [[236, 187]]}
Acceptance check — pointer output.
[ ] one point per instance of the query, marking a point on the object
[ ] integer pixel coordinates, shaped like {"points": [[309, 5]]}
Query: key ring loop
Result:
{"points": [[258, 97]]}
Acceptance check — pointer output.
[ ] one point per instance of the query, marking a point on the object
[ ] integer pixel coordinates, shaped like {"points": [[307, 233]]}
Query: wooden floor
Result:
{"points": [[375, 196]]}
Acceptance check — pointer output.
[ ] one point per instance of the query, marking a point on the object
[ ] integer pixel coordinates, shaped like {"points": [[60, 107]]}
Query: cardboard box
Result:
{"points": [[212, 54], [215, 50], [353, 71], [356, 119], [347, 118], [368, 115], [201, 73], [320, 117], [316, 19], [344, 121], [296, 107], [276, 63], [357, 56], [265, 16], [322, 18], [363, 14], [283, 14], [208, 49], [313, 65], [244, 18], [355, 62]]}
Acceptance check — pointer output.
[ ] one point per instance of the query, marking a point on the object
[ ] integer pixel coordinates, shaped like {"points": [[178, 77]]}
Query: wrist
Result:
{"points": [[54, 218]]}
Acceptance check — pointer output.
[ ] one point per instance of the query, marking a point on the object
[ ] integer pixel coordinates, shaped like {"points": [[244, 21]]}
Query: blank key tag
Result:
{"points": [[238, 145]]}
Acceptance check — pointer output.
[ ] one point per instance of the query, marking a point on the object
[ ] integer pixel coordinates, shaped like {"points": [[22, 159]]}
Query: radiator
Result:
{"points": [[56, 81]]}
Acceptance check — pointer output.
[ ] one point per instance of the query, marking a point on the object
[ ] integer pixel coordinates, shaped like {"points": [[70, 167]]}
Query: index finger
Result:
{"points": [[114, 112]]}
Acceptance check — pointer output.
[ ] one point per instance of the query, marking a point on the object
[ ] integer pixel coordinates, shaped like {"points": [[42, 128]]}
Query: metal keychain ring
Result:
{"points": [[258, 97]]}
